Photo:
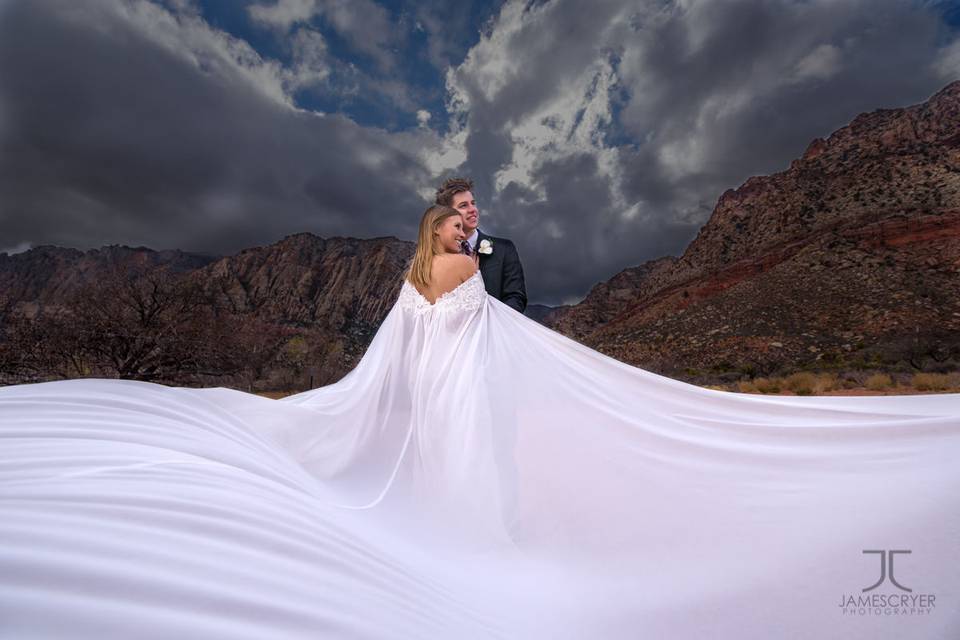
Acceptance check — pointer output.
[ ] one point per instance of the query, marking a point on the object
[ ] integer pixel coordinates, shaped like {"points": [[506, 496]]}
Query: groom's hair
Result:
{"points": [[452, 187]]}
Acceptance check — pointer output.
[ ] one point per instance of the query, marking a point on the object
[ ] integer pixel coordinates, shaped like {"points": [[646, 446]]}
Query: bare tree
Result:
{"points": [[157, 326], [38, 349]]}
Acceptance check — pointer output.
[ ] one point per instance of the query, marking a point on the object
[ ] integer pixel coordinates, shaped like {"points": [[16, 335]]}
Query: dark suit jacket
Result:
{"points": [[502, 273]]}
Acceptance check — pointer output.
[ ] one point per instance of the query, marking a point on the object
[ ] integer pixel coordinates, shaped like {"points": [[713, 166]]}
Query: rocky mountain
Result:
{"points": [[45, 276], [540, 311], [850, 257], [335, 292], [608, 299], [308, 281], [329, 295]]}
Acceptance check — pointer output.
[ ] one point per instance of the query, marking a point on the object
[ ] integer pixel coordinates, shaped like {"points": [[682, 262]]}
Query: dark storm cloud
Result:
{"points": [[592, 241], [121, 124], [768, 77], [702, 95], [578, 198], [600, 134]]}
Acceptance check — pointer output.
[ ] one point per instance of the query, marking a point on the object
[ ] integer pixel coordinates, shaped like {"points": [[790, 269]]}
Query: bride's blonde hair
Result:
{"points": [[433, 217]]}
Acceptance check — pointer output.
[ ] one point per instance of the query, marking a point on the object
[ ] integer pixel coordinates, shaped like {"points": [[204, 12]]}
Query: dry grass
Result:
{"points": [[827, 382], [851, 383], [275, 395], [768, 385], [878, 382], [935, 381], [802, 383]]}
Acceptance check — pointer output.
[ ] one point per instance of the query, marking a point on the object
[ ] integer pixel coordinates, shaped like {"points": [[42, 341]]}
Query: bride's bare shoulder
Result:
{"points": [[452, 266]]}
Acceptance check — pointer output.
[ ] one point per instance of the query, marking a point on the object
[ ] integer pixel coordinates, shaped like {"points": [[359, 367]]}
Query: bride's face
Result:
{"points": [[450, 234]]}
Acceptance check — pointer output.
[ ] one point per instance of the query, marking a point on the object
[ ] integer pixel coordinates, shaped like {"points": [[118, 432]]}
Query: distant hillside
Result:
{"points": [[328, 295], [335, 292], [849, 258], [539, 311], [45, 276]]}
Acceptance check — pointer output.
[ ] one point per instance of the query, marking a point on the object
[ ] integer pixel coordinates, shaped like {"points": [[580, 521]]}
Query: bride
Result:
{"points": [[475, 476]]}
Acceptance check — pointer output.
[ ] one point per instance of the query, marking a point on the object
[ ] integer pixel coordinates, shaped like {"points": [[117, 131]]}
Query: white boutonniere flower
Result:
{"points": [[486, 247]]}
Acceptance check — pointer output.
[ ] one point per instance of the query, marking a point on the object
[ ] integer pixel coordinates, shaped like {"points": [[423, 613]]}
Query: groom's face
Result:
{"points": [[467, 206]]}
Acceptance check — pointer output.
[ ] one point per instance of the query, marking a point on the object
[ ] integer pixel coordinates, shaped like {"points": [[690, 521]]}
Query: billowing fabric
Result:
{"points": [[476, 476]]}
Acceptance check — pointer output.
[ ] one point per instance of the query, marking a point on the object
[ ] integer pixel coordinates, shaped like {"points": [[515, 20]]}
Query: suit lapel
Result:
{"points": [[484, 258], [480, 236], [486, 265]]}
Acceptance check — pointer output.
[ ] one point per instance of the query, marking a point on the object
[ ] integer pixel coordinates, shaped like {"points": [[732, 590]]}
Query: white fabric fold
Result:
{"points": [[476, 475]]}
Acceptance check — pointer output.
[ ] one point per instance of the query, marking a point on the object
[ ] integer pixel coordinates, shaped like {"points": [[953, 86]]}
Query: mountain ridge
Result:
{"points": [[849, 257], [883, 190]]}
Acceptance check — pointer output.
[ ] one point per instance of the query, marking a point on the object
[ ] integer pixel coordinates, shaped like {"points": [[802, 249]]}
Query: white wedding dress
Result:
{"points": [[476, 476]]}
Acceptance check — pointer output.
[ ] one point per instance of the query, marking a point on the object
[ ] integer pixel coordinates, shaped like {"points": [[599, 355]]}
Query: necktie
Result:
{"points": [[465, 248]]}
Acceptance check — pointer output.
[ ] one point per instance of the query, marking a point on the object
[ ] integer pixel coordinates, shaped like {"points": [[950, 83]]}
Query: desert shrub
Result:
{"points": [[931, 381], [826, 382], [746, 386], [802, 383], [768, 385], [849, 381], [879, 382]]}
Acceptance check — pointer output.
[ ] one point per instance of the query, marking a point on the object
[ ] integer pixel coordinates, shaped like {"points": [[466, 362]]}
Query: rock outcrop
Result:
{"points": [[850, 257]]}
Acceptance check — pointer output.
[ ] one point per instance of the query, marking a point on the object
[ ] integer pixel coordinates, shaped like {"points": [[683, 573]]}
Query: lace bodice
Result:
{"points": [[467, 296]]}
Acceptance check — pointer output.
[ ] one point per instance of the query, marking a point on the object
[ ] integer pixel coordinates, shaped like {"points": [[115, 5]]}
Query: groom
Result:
{"points": [[499, 260]]}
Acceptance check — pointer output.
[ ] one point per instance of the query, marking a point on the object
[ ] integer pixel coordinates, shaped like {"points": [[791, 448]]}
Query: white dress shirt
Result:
{"points": [[473, 240]]}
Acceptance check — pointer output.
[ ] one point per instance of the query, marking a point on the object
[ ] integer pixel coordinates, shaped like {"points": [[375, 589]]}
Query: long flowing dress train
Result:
{"points": [[476, 476]]}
